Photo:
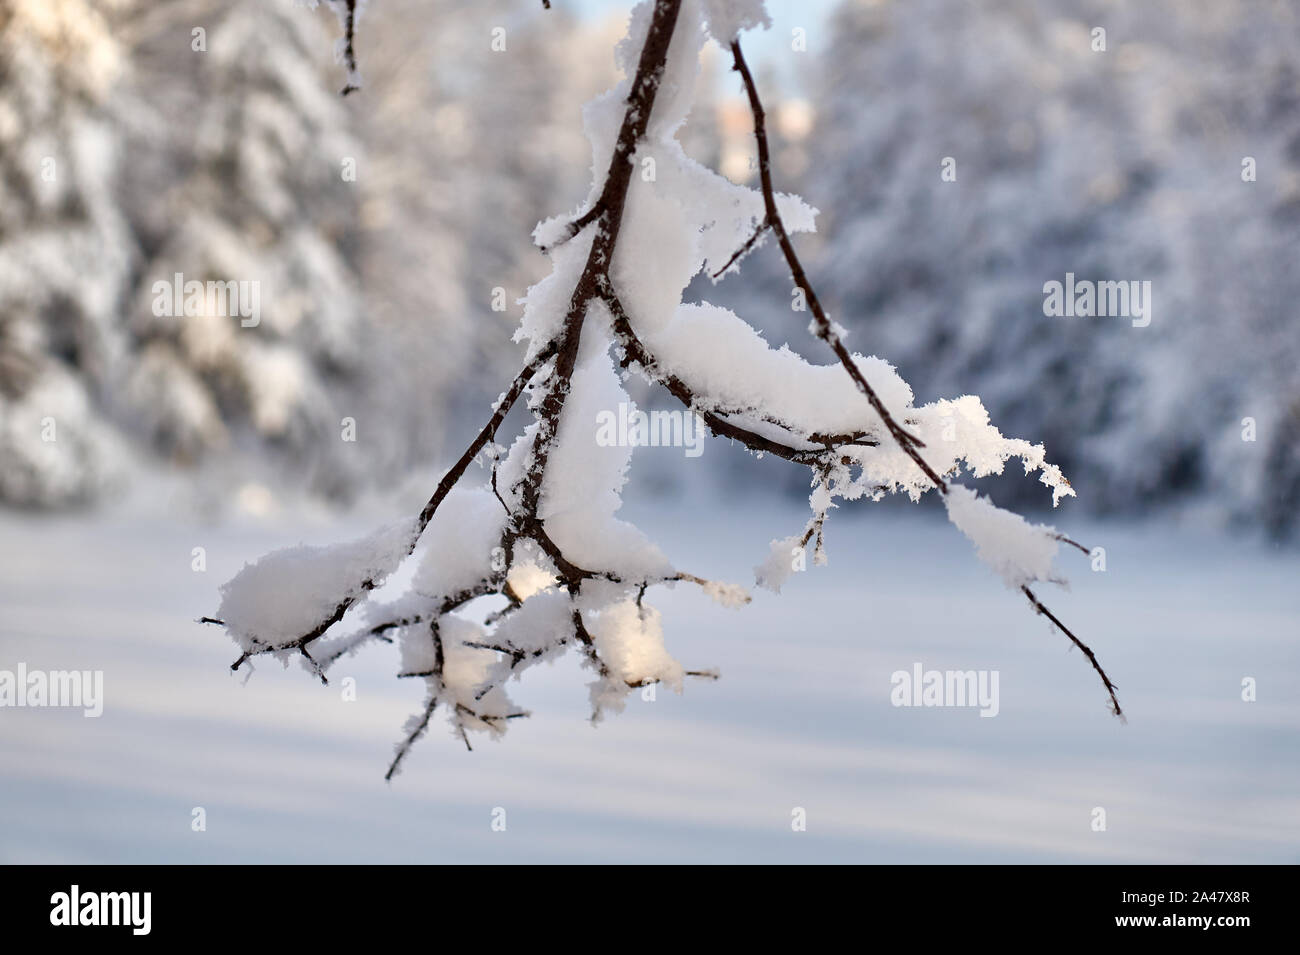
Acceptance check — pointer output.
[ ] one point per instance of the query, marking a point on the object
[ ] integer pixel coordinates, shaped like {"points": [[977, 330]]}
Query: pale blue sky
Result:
{"points": [[769, 48]]}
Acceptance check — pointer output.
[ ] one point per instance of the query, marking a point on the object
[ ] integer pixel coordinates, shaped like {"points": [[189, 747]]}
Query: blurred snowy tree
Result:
{"points": [[205, 141], [1122, 164], [239, 174], [65, 251], [474, 142]]}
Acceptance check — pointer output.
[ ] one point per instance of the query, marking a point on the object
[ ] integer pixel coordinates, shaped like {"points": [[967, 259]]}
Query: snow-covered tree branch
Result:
{"points": [[536, 561]]}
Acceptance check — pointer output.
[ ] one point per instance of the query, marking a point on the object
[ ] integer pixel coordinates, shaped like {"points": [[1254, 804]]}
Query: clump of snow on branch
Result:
{"points": [[726, 595], [630, 639], [284, 595], [726, 18], [584, 482], [1019, 551], [462, 536], [776, 570]]}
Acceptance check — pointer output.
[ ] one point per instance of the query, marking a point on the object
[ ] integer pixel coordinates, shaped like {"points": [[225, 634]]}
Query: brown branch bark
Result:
{"points": [[1092, 657], [349, 39], [595, 274]]}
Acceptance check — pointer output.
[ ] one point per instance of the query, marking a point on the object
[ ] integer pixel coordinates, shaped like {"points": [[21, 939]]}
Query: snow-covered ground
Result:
{"points": [[286, 770]]}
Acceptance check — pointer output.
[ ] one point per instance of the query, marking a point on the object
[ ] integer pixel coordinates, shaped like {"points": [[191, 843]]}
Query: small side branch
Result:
{"points": [[421, 726], [1087, 651], [577, 225], [740, 253], [349, 18]]}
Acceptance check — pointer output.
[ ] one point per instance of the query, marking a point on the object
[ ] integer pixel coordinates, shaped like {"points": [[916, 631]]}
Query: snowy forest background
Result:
{"points": [[378, 293], [185, 436]]}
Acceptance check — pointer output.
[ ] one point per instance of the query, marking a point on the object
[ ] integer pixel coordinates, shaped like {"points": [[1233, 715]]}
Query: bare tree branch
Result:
{"points": [[473, 702]]}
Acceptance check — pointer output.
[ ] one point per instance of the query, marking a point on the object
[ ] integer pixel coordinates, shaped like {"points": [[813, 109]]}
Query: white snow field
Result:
{"points": [[286, 770]]}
